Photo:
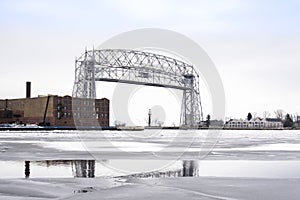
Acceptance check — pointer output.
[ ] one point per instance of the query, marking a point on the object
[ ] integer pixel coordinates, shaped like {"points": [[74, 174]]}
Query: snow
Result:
{"points": [[52, 188], [271, 147], [237, 164], [149, 189]]}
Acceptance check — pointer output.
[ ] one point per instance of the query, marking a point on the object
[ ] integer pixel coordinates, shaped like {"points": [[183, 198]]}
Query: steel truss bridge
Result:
{"points": [[140, 68]]}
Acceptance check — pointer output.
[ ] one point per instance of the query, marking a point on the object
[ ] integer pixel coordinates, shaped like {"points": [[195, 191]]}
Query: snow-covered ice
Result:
{"points": [[233, 164]]}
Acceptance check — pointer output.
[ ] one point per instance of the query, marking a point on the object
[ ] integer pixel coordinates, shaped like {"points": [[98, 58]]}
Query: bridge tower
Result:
{"points": [[189, 110]]}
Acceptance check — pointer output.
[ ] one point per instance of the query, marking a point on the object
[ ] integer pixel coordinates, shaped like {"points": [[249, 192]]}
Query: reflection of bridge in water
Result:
{"points": [[189, 168], [80, 168], [87, 169], [84, 168]]}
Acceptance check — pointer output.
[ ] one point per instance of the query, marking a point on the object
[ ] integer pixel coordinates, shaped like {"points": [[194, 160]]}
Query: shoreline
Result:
{"points": [[112, 128]]}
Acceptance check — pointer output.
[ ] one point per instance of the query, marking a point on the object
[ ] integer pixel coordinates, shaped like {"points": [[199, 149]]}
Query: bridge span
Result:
{"points": [[140, 68]]}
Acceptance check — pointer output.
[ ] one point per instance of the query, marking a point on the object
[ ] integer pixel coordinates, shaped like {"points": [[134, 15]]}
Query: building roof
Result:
{"points": [[273, 120]]}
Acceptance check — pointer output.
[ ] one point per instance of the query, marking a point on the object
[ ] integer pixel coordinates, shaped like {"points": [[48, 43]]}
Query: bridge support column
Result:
{"points": [[189, 108]]}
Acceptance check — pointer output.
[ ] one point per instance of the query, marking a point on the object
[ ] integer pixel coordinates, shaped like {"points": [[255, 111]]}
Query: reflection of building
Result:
{"points": [[257, 123], [57, 110]]}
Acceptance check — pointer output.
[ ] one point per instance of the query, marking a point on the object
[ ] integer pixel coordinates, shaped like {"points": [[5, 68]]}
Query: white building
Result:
{"points": [[257, 123]]}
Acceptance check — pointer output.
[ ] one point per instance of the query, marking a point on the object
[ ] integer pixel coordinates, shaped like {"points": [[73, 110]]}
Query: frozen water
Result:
{"points": [[238, 164]]}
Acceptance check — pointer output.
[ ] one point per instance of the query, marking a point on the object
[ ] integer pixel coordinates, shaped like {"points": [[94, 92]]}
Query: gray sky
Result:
{"points": [[254, 44]]}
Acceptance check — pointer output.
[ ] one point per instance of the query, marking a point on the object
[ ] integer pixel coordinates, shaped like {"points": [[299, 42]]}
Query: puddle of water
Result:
{"points": [[250, 168], [149, 168]]}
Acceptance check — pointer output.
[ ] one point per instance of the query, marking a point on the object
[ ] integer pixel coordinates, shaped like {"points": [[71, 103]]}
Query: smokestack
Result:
{"points": [[28, 89]]}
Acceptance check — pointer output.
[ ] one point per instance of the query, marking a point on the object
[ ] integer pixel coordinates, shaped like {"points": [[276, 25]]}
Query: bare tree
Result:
{"points": [[254, 115], [266, 114], [146, 120], [291, 116], [160, 123], [279, 113], [296, 117], [155, 122], [119, 123]]}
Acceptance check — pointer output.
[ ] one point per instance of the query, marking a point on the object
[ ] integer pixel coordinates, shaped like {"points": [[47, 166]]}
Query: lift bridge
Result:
{"points": [[140, 68]]}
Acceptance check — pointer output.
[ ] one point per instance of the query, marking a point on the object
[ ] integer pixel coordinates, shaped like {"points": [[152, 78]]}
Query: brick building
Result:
{"points": [[60, 111]]}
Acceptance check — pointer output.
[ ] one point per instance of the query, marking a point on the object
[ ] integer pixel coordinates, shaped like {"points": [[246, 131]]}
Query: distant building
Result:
{"points": [[257, 123], [216, 123], [60, 111], [297, 122], [273, 123]]}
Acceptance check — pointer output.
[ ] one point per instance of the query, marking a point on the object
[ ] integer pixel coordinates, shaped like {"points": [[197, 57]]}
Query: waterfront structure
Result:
{"points": [[140, 68], [256, 123], [54, 110], [149, 118]]}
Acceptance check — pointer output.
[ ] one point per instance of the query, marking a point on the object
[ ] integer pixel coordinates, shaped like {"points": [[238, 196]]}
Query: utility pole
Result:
{"points": [[149, 117]]}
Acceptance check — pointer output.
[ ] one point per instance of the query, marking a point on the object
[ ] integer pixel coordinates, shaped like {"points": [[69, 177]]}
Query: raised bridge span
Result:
{"points": [[140, 68]]}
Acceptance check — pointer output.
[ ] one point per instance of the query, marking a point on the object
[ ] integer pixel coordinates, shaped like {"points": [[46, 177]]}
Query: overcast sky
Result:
{"points": [[254, 44]]}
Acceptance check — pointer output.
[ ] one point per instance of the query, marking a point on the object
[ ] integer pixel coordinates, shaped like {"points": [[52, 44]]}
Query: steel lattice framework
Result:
{"points": [[140, 68]]}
